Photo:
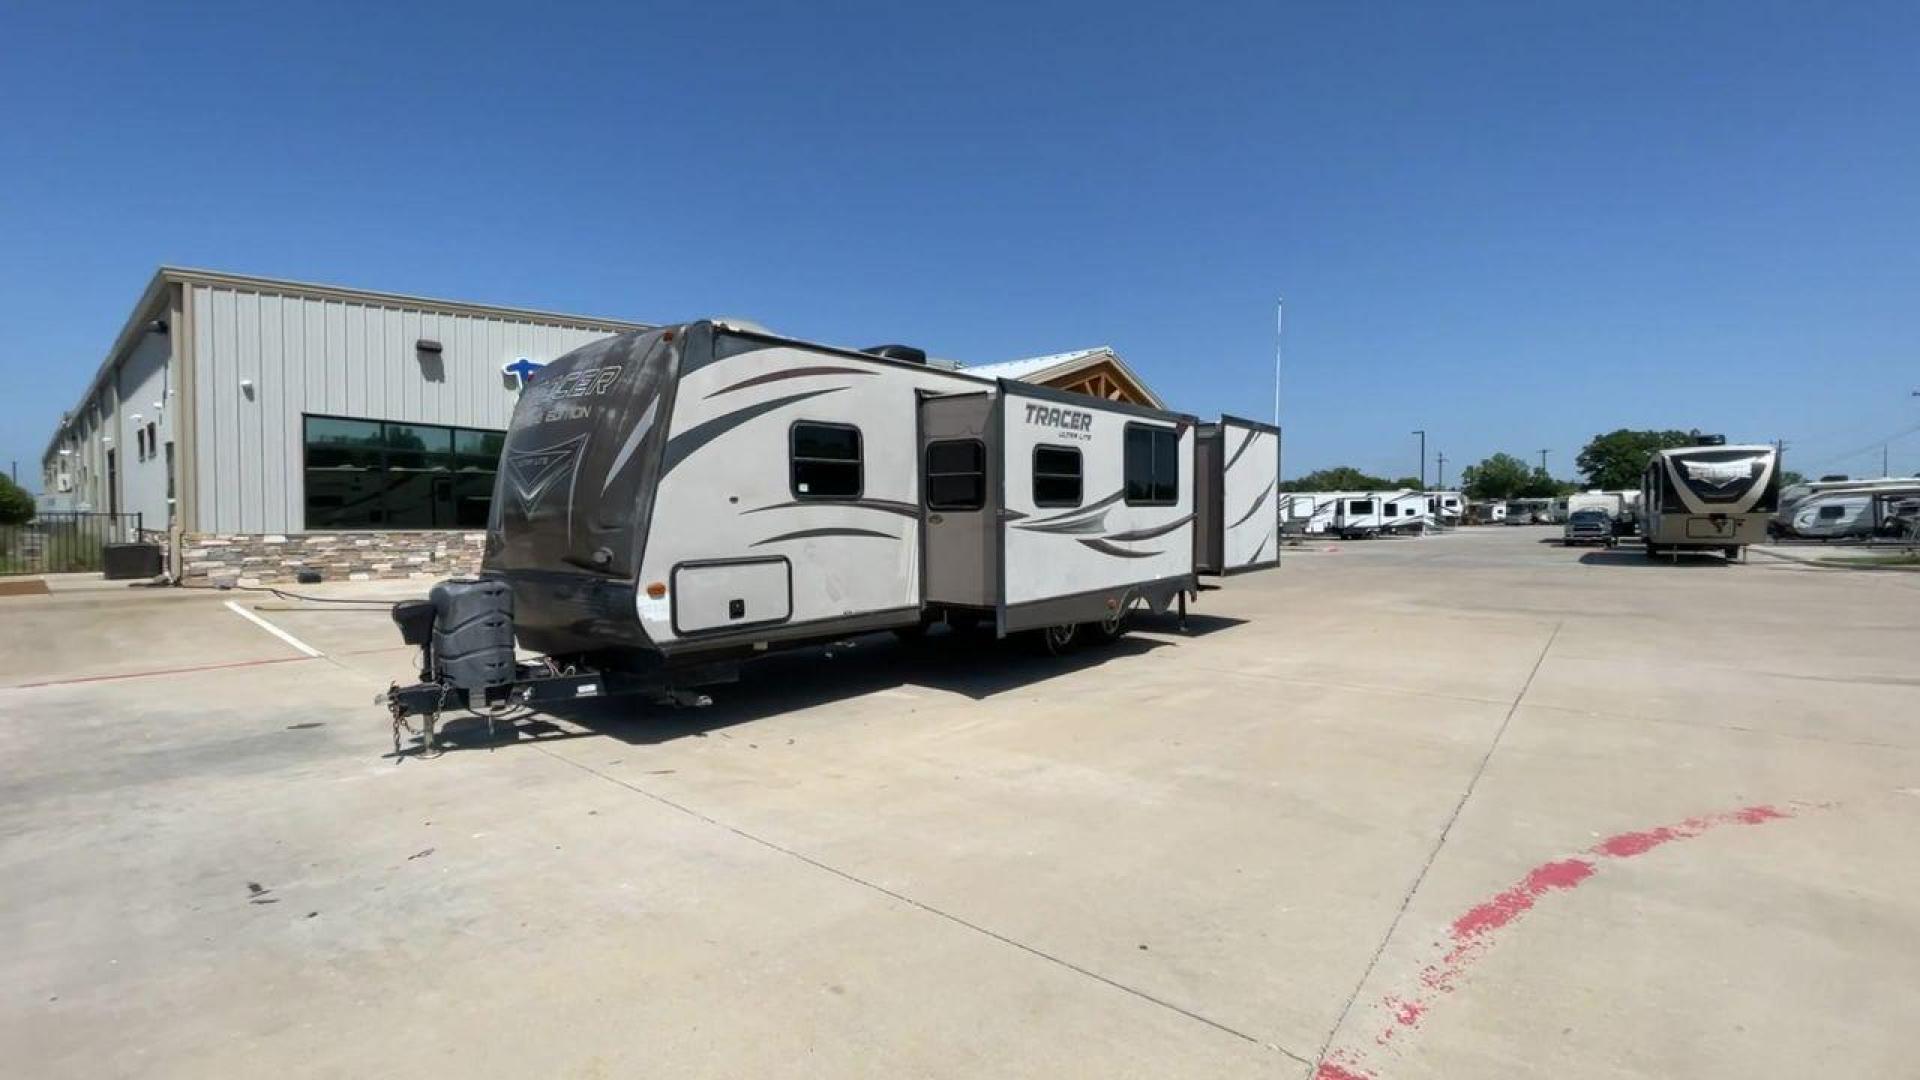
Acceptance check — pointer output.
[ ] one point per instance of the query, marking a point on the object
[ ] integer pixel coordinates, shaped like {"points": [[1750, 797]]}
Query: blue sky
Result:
{"points": [[1514, 225]]}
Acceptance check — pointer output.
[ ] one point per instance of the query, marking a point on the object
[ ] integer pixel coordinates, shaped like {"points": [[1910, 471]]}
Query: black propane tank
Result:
{"points": [[473, 632]]}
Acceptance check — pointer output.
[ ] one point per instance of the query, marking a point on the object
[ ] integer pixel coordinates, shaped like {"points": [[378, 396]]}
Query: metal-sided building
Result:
{"points": [[268, 426]]}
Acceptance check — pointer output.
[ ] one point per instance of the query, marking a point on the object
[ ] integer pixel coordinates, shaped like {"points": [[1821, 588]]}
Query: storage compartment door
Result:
{"points": [[730, 594]]}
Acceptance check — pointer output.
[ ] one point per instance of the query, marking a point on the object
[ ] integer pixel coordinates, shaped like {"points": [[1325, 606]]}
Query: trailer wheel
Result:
{"points": [[1733, 554], [1653, 550], [1057, 640], [1106, 631]]}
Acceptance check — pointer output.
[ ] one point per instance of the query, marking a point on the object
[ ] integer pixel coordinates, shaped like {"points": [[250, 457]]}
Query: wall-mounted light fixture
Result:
{"points": [[427, 345], [157, 326]]}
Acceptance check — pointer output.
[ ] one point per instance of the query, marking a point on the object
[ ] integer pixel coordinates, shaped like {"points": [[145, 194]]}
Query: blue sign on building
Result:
{"points": [[522, 369]]}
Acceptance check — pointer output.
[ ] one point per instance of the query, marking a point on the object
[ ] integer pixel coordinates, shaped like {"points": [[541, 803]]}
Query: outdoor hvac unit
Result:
{"points": [[129, 562]]}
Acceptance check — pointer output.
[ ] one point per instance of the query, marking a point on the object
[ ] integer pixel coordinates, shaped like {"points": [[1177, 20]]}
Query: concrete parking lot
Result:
{"points": [[1466, 806]]}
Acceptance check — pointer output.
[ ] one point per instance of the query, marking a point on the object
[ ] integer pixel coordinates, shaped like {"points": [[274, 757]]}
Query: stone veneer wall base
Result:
{"points": [[273, 559]]}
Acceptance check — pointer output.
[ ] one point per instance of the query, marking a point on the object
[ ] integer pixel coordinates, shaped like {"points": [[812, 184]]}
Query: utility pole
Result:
{"points": [[1543, 461], [1423, 458], [1441, 460]]}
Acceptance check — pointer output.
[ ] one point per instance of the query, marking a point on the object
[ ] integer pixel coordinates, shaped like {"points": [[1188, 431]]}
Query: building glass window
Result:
{"points": [[956, 474], [1056, 476], [826, 461], [370, 474], [1152, 466]]}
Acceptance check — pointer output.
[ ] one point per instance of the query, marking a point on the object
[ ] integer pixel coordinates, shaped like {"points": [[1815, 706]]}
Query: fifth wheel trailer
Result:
{"points": [[1708, 498], [1236, 470]]}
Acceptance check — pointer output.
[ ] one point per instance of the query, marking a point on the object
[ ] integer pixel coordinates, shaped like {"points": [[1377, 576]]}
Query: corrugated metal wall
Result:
{"points": [[306, 355]]}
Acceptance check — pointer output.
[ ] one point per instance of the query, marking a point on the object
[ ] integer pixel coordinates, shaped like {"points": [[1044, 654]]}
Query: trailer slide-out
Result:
{"points": [[673, 501]]}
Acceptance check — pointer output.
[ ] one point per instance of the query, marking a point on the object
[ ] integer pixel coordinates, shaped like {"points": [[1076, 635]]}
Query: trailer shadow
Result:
{"points": [[975, 666], [1637, 557]]}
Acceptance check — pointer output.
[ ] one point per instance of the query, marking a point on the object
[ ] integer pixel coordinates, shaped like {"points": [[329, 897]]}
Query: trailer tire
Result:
{"points": [[1107, 631], [1733, 554], [1056, 640], [1653, 550]]}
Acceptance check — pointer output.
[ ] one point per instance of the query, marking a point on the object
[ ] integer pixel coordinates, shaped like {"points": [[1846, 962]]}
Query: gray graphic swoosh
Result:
{"points": [[788, 373], [640, 430], [1257, 504], [1150, 533], [1244, 443], [887, 505], [1091, 524], [683, 445], [1105, 548], [809, 534], [1078, 510]]}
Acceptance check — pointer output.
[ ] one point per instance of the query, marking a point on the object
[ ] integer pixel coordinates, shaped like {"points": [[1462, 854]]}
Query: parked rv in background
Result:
{"points": [[1357, 516], [1708, 498], [1405, 512], [1299, 511], [1446, 507], [1877, 509]]}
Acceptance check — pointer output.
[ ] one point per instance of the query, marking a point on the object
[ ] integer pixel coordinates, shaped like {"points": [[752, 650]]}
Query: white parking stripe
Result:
{"points": [[272, 629]]}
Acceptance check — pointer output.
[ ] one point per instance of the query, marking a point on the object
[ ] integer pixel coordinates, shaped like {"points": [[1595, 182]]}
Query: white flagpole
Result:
{"points": [[1279, 331]]}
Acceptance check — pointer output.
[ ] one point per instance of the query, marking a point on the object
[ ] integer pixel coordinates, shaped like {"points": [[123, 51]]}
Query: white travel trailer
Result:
{"points": [[1708, 498], [1405, 512], [1235, 472], [1608, 502], [1881, 508], [1300, 513], [682, 493], [1832, 515], [1357, 515], [673, 501], [1446, 507]]}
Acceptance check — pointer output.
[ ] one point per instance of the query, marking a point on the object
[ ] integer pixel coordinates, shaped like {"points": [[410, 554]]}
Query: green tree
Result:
{"points": [[1788, 478], [1412, 482], [1540, 485], [1501, 476], [1614, 461], [16, 506], [1343, 478]]}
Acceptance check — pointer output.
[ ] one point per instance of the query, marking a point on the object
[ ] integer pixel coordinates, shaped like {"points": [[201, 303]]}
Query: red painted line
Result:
{"points": [[1475, 931], [163, 671]]}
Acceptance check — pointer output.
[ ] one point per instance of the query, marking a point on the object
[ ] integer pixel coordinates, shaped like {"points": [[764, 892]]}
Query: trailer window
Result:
{"points": [[1152, 466], [956, 474], [1056, 476], [1832, 513], [1360, 506], [826, 461], [1392, 510]]}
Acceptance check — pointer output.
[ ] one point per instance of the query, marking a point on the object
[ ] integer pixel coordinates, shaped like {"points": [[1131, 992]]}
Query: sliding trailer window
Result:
{"points": [[1056, 476], [956, 474], [1152, 466], [826, 461]]}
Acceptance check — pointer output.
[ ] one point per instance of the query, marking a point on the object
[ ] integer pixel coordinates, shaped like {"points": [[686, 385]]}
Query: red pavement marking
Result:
{"points": [[164, 671], [1475, 931]]}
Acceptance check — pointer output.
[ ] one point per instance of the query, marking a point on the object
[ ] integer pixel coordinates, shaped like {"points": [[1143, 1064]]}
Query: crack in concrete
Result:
{"points": [[1440, 842], [929, 909]]}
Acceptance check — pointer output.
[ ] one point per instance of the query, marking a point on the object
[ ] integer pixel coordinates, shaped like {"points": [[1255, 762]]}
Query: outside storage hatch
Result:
{"points": [[727, 594]]}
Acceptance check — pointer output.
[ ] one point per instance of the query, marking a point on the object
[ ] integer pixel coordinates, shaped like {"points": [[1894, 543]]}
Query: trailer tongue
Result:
{"points": [[464, 631]]}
